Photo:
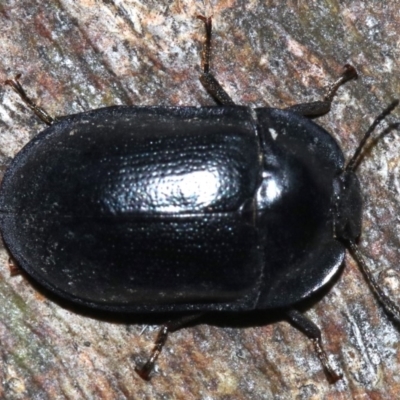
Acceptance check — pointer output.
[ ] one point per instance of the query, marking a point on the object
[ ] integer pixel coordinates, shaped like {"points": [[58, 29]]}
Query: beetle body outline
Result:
{"points": [[341, 196], [233, 208]]}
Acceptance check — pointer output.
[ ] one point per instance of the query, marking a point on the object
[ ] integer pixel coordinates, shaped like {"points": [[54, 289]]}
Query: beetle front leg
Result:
{"points": [[207, 79], [319, 108], [305, 325], [145, 370]]}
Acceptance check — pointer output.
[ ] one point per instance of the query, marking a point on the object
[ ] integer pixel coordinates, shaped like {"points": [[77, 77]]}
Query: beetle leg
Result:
{"points": [[39, 111], [305, 325], [207, 79], [162, 336], [318, 108], [13, 267]]}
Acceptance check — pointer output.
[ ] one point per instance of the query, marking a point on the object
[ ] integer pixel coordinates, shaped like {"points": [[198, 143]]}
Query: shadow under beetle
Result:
{"points": [[156, 209]]}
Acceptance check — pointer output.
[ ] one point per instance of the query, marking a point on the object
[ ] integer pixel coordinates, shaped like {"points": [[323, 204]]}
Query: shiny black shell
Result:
{"points": [[149, 209]]}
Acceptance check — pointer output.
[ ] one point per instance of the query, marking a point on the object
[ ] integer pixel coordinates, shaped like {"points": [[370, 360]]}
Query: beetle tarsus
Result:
{"points": [[332, 375], [206, 54], [317, 109], [349, 73], [39, 111], [209, 82], [162, 336], [311, 330]]}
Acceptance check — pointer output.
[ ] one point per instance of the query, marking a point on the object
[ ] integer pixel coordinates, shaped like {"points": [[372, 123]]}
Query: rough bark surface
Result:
{"points": [[76, 55]]}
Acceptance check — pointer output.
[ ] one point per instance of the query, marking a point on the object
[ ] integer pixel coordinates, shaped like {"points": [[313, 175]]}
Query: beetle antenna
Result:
{"points": [[390, 306], [354, 161]]}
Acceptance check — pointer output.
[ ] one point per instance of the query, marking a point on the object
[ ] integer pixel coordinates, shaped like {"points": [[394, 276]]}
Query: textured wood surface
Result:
{"points": [[84, 54]]}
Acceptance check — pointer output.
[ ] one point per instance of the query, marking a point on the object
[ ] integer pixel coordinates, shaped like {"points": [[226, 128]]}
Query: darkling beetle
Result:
{"points": [[184, 209]]}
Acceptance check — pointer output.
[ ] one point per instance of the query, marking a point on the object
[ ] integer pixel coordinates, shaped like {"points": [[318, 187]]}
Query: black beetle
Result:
{"points": [[150, 209]]}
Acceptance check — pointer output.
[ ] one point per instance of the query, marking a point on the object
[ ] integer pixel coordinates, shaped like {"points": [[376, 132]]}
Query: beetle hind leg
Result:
{"points": [[319, 108], [145, 370], [39, 111], [207, 79], [305, 325]]}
